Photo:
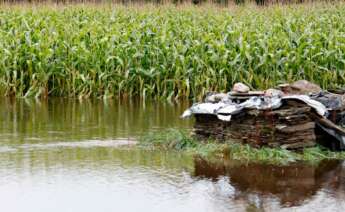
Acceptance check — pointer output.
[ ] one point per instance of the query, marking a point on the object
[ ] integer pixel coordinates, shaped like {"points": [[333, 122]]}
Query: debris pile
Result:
{"points": [[289, 117]]}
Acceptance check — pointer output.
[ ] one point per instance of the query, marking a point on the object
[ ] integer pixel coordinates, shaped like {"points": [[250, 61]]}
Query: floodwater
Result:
{"points": [[66, 155]]}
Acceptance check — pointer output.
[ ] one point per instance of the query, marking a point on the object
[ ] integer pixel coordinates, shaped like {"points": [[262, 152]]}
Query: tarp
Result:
{"points": [[255, 102]]}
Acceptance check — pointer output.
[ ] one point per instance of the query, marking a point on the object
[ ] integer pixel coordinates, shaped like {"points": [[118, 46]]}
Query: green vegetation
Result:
{"points": [[167, 51], [179, 140]]}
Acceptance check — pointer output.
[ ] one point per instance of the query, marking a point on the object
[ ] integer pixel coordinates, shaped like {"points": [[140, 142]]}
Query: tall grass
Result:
{"points": [[179, 141], [167, 52], [175, 2]]}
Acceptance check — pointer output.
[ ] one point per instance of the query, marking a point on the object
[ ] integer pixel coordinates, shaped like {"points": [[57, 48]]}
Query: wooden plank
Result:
{"points": [[329, 124], [299, 138], [291, 111], [295, 128], [249, 94]]}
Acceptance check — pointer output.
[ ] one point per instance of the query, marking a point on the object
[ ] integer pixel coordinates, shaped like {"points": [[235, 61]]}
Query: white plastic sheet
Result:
{"points": [[318, 106], [256, 102]]}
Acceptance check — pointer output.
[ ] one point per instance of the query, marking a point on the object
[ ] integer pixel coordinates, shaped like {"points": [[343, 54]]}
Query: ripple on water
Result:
{"points": [[80, 144], [4, 149], [117, 143]]}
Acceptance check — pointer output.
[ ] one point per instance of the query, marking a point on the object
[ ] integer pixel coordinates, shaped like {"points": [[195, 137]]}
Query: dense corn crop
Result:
{"points": [[167, 52]]}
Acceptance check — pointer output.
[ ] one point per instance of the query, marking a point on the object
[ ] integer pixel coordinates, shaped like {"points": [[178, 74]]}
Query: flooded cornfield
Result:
{"points": [[70, 155]]}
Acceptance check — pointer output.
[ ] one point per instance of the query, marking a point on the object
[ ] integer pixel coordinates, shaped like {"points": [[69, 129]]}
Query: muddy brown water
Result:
{"points": [[66, 155]]}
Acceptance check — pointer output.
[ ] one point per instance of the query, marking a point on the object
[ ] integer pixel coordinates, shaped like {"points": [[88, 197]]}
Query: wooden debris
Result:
{"points": [[329, 124], [248, 94], [291, 129]]}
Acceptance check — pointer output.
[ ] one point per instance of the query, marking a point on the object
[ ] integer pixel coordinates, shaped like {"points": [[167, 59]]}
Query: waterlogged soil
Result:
{"points": [[66, 155]]}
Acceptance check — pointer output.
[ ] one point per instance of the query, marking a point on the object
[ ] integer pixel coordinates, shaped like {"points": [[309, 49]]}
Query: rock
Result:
{"points": [[240, 88], [305, 87], [301, 87], [285, 88], [274, 93], [216, 97]]}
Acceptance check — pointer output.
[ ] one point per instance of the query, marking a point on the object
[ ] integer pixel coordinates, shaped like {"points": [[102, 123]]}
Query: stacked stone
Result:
{"points": [[289, 127]]}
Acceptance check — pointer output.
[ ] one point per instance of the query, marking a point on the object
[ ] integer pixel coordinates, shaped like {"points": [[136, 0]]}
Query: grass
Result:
{"points": [[180, 141], [167, 51]]}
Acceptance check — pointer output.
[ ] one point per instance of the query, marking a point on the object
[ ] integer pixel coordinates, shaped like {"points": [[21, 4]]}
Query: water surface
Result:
{"points": [[66, 155]]}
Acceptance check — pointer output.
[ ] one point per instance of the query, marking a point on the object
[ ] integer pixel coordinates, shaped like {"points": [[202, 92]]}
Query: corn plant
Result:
{"points": [[167, 52]]}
